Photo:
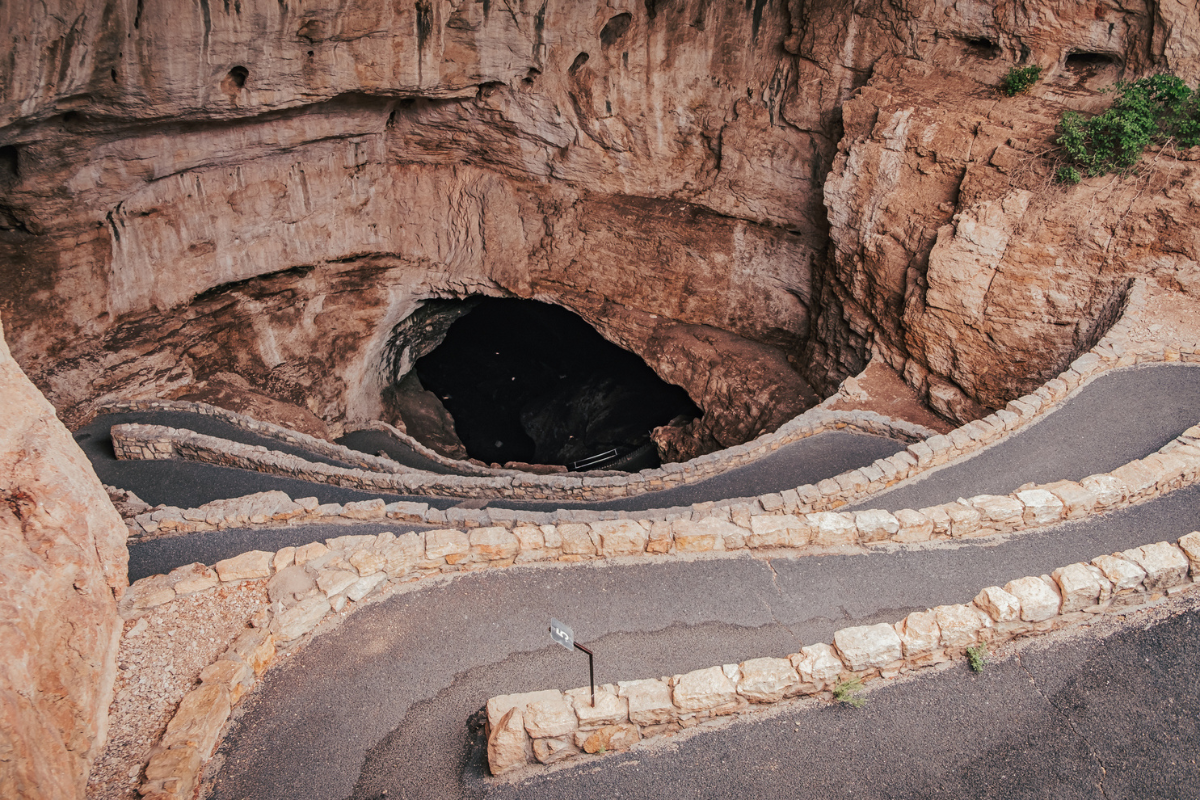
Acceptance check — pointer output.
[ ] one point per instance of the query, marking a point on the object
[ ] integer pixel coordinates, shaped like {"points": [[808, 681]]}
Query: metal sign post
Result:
{"points": [[562, 633]]}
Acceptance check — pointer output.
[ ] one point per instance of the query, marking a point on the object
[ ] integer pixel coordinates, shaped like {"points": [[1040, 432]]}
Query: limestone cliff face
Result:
{"points": [[751, 196], [62, 563]]}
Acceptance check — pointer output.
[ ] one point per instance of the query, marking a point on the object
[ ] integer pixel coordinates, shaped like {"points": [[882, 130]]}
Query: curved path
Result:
{"points": [[371, 442], [380, 702], [371, 706]]}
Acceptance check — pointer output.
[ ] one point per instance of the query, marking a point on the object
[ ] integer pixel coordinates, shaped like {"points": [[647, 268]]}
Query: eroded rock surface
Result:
{"points": [[62, 566]]}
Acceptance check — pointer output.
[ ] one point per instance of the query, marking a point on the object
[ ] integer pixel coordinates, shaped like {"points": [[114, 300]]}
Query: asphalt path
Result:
{"points": [[1118, 418], [382, 702], [373, 441]]}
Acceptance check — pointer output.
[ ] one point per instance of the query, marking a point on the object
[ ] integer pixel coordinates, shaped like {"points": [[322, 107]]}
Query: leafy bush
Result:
{"points": [[1154, 109], [1019, 79], [977, 656], [1068, 176], [849, 692]]}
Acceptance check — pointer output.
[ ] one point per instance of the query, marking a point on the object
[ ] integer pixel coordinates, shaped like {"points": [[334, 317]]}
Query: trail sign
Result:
{"points": [[562, 634]]}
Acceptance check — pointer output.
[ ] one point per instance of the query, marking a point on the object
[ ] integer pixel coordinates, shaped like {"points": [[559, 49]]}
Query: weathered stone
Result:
{"points": [[1190, 544], [1081, 586], [767, 680], [449, 544], [364, 586], [778, 530], [866, 646], [236, 676], [350, 543], [508, 746], [301, 618], [283, 559], [1165, 564], [817, 664], [192, 578], [703, 689], [310, 552], [500, 705], [875, 525], [704, 535], [959, 625], [621, 537], [1041, 507], [173, 772], [550, 717], [290, 585], [612, 738], [576, 540], [914, 526], [255, 646], [609, 708], [998, 512], [999, 604], [493, 544], [148, 593], [832, 529], [199, 718], [1123, 574], [367, 562], [530, 541], [365, 509], [1108, 490], [254, 564], [551, 751], [407, 551], [919, 633], [649, 701], [334, 581], [965, 520], [1038, 601], [1077, 501]]}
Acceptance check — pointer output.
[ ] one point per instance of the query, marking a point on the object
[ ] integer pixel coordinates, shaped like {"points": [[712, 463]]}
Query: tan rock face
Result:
{"points": [[62, 565]]}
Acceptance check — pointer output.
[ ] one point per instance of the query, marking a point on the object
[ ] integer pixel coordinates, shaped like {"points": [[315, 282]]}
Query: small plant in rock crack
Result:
{"points": [[1019, 79], [977, 656], [850, 693]]}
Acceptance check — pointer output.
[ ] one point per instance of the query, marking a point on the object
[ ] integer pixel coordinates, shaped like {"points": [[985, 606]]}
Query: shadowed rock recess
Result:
{"points": [[283, 209]]}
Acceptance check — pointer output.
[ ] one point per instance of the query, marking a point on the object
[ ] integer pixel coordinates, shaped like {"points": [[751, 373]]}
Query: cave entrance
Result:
{"points": [[530, 382]]}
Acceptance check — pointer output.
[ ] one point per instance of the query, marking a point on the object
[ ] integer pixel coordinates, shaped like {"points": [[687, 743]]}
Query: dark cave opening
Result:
{"points": [[531, 382]]}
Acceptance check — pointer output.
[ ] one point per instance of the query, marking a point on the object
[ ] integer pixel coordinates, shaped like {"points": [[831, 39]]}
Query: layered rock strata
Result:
{"points": [[62, 566]]}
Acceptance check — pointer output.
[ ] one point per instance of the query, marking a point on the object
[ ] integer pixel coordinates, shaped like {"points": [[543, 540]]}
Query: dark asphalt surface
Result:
{"points": [[1118, 418], [382, 701], [373, 441]]}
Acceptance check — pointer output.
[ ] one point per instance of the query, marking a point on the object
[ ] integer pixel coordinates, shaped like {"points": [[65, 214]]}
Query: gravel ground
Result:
{"points": [[157, 666]]}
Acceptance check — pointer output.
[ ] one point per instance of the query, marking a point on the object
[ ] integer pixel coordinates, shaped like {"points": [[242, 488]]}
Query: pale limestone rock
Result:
{"points": [[309, 504], [620, 537], [999, 604], [707, 534], [649, 701], [508, 746], [818, 664], [998, 512], [1139, 478], [350, 543], [576, 540], [549, 718], [1123, 574], [290, 585], [327, 510], [447, 544], [198, 720], [919, 633], [179, 768], [1077, 501], [367, 562], [309, 552], [551, 536], [1038, 601], [1081, 586], [767, 680], [875, 525], [1108, 490], [866, 646], [300, 618], [612, 738], [530, 539], [283, 559], [703, 689], [778, 530], [960, 625], [832, 529], [500, 705], [609, 709], [1190, 544], [493, 544], [236, 676], [147, 593], [192, 578], [1041, 507], [914, 526], [364, 586], [254, 564], [400, 557], [661, 539], [334, 581], [1164, 563], [256, 647], [365, 509], [965, 519], [551, 751]]}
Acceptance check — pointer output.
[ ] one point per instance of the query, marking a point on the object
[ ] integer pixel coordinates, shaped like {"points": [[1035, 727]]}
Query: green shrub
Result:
{"points": [[1068, 176], [849, 692], [1154, 109], [1019, 79], [977, 656]]}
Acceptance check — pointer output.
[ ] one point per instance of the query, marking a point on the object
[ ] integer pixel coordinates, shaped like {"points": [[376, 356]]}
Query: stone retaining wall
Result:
{"points": [[542, 728]]}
